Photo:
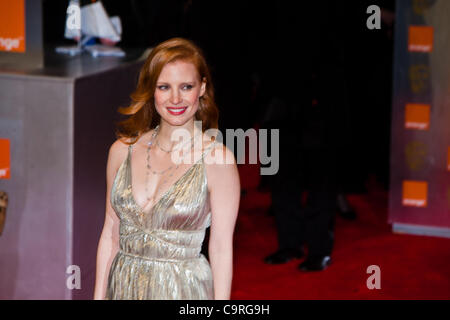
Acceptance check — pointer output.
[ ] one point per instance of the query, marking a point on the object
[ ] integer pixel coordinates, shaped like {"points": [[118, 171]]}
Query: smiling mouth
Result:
{"points": [[176, 110]]}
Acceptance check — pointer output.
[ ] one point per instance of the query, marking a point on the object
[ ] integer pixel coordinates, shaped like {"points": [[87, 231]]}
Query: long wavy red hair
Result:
{"points": [[142, 112]]}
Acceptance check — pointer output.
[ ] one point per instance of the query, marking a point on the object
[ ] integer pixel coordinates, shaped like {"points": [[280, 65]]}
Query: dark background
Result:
{"points": [[291, 51]]}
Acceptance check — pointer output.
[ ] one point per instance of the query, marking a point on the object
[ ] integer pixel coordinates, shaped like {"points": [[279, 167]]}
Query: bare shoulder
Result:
{"points": [[221, 166], [117, 153], [219, 154]]}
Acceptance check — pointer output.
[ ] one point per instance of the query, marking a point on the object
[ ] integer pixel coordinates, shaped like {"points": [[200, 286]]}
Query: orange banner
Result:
{"points": [[420, 39], [415, 193], [417, 116], [12, 25], [448, 159], [5, 159]]}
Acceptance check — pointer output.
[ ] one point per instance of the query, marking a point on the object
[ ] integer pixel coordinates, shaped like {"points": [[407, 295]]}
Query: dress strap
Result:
{"points": [[210, 147], [130, 149]]}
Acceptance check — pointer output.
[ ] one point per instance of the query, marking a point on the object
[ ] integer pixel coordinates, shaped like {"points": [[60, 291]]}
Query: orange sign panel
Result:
{"points": [[420, 39], [417, 116], [12, 25], [415, 193], [5, 159], [448, 159]]}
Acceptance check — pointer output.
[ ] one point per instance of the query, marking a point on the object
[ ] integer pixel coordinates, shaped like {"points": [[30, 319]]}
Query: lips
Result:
{"points": [[176, 110]]}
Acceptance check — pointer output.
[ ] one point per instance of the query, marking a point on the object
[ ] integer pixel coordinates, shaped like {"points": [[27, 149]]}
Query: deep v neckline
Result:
{"points": [[130, 172]]}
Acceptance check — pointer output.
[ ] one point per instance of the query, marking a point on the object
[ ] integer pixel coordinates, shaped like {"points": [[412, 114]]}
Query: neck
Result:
{"points": [[166, 130]]}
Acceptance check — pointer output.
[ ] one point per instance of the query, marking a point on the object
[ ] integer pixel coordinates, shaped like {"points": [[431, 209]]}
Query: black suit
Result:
{"points": [[310, 133]]}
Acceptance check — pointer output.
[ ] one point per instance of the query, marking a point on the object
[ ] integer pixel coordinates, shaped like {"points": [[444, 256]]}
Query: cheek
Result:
{"points": [[192, 96], [160, 99]]}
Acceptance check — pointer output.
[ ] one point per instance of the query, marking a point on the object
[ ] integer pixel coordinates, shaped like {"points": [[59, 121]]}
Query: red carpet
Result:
{"points": [[412, 267]]}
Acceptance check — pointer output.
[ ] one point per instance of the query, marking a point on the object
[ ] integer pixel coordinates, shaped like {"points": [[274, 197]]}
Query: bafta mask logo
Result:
{"points": [[3, 206], [419, 6], [419, 76], [415, 153], [448, 159], [448, 197]]}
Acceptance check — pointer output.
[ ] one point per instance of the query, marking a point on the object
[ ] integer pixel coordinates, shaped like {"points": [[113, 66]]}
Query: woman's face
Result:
{"points": [[177, 92]]}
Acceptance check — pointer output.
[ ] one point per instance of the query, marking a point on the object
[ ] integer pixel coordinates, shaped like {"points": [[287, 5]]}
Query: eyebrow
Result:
{"points": [[182, 83]]}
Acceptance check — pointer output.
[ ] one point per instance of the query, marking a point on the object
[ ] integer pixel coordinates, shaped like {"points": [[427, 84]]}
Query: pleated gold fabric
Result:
{"points": [[159, 251]]}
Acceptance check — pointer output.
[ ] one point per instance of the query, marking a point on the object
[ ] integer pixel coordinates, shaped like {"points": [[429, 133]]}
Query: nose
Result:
{"points": [[175, 97]]}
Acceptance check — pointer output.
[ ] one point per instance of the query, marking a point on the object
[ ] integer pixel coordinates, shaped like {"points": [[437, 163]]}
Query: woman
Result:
{"points": [[157, 208]]}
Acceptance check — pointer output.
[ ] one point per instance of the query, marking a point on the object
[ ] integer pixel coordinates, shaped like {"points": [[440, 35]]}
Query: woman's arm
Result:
{"points": [[225, 191], [109, 239]]}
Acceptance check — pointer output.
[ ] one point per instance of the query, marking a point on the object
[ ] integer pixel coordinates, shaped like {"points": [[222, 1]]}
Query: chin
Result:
{"points": [[178, 120], [176, 123]]}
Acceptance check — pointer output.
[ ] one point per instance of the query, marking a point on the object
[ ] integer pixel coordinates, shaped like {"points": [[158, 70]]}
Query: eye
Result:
{"points": [[163, 87], [187, 87]]}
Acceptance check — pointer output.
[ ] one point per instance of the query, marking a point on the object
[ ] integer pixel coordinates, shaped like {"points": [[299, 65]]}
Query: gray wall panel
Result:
{"points": [[60, 129], [40, 170]]}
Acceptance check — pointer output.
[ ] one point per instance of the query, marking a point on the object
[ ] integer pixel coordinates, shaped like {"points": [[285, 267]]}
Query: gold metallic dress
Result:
{"points": [[159, 252]]}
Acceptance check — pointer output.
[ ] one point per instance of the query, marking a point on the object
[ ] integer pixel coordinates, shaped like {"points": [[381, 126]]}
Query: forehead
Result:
{"points": [[178, 71]]}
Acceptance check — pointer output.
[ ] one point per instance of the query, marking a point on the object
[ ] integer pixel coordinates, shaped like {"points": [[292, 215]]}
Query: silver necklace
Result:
{"points": [[149, 167], [170, 151], [159, 146]]}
